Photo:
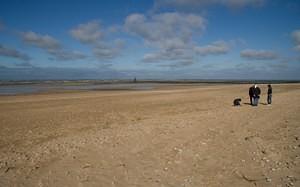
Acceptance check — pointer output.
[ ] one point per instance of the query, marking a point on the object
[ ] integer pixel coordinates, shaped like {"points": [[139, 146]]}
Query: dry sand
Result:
{"points": [[181, 136]]}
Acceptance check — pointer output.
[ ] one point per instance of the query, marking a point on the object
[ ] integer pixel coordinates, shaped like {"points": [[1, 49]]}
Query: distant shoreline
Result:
{"points": [[127, 81], [42, 87]]}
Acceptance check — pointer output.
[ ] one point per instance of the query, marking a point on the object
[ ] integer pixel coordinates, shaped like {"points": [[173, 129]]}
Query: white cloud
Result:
{"points": [[67, 55], [13, 53], [242, 3], [251, 54], [203, 3], [165, 55], [296, 39], [88, 33], [166, 29], [41, 41], [218, 47], [179, 64], [25, 64], [50, 45], [92, 34], [171, 34], [105, 52]]}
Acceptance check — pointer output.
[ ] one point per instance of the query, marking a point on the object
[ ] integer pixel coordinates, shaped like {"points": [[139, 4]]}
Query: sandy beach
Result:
{"points": [[167, 137]]}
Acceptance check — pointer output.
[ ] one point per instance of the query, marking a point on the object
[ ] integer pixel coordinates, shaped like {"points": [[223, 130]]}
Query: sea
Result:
{"points": [[30, 87], [21, 89]]}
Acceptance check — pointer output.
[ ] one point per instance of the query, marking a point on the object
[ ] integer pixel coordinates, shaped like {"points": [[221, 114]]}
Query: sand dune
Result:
{"points": [[180, 136]]}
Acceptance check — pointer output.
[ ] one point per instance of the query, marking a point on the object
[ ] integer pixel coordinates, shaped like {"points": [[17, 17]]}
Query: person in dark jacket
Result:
{"points": [[269, 99], [251, 94], [256, 95]]}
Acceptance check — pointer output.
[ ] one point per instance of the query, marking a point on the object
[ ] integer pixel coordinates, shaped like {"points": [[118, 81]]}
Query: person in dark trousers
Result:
{"points": [[256, 95], [251, 94], [269, 99]]}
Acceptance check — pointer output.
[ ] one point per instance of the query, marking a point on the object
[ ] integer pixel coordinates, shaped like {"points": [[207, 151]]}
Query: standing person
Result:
{"points": [[251, 94], [256, 93], [269, 99]]}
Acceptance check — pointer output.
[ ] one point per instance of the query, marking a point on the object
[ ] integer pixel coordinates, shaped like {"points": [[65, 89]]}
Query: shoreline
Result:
{"points": [[73, 87]]}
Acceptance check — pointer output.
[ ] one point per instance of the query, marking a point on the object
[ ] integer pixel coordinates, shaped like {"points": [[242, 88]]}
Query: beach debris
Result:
{"points": [[273, 169], [87, 165], [122, 165], [85, 179], [40, 183], [248, 137], [187, 181], [178, 150], [177, 161], [265, 159], [9, 168], [294, 147], [247, 178], [268, 179], [292, 178]]}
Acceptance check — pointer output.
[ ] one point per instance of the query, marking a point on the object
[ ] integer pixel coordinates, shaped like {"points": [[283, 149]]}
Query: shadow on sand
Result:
{"points": [[259, 103]]}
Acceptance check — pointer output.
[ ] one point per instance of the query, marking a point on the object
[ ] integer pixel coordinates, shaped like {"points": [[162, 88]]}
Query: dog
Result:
{"points": [[237, 102]]}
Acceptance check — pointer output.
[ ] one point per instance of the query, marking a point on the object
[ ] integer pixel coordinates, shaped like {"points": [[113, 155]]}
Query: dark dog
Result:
{"points": [[237, 102]]}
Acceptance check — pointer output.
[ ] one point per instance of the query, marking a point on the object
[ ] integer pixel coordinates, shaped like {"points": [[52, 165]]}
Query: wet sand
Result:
{"points": [[172, 136]]}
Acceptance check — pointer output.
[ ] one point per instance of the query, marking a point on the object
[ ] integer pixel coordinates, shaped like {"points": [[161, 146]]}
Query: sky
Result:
{"points": [[153, 39]]}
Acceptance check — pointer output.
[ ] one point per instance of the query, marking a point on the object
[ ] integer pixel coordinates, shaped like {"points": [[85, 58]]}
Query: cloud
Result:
{"points": [[280, 65], [192, 4], [67, 55], [296, 39], [93, 35], [241, 3], [106, 53], [24, 65], [88, 33], [166, 29], [178, 64], [51, 46], [2, 67], [52, 73], [251, 54], [218, 47], [41, 41], [13, 53], [171, 34], [175, 56]]}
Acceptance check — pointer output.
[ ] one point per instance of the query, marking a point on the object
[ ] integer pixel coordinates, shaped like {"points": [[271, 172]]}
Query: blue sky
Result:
{"points": [[160, 39]]}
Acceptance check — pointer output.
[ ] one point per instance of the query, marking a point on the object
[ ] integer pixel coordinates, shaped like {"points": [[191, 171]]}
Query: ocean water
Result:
{"points": [[39, 88]]}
